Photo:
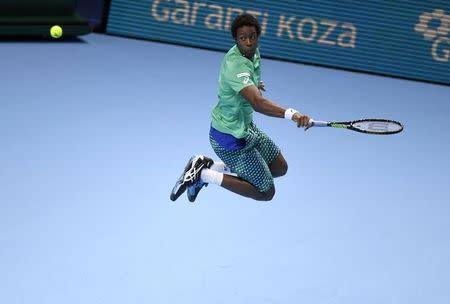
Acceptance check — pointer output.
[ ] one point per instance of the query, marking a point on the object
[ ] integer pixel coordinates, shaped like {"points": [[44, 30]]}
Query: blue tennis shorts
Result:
{"points": [[250, 162]]}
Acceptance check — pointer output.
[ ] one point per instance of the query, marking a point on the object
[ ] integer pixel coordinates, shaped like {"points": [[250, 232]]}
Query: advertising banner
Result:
{"points": [[408, 39]]}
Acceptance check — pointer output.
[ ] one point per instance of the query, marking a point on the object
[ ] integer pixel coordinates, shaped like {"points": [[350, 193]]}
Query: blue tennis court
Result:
{"points": [[95, 131]]}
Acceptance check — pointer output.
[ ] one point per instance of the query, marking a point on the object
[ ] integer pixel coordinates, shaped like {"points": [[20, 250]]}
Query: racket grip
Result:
{"points": [[317, 123]]}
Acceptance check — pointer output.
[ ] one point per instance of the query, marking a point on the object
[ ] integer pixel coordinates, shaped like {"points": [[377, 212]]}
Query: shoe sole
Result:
{"points": [[177, 190]]}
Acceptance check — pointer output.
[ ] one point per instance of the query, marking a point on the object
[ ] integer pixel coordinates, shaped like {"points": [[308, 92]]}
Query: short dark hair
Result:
{"points": [[245, 20]]}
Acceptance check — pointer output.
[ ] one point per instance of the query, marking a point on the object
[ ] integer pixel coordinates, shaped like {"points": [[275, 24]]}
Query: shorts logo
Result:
{"points": [[427, 26], [246, 77]]}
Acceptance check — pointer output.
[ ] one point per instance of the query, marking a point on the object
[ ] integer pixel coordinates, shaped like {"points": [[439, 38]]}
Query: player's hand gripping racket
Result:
{"points": [[368, 126]]}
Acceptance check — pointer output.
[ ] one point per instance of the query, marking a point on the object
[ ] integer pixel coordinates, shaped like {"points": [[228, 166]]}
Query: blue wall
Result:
{"points": [[93, 10], [400, 38]]}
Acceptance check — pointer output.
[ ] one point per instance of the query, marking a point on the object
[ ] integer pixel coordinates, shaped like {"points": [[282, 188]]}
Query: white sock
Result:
{"points": [[211, 177], [220, 167]]}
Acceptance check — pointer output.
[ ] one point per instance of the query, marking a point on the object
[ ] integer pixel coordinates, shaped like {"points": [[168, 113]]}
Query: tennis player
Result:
{"points": [[246, 152]]}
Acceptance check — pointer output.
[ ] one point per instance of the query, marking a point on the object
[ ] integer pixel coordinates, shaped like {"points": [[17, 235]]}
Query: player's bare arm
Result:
{"points": [[264, 106]]}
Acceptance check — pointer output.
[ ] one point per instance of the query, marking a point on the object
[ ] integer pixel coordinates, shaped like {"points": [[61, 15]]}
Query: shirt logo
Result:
{"points": [[245, 75]]}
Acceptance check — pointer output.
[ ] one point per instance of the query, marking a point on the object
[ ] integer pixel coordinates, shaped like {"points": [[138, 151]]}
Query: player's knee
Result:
{"points": [[267, 195], [283, 169], [280, 170], [270, 194]]}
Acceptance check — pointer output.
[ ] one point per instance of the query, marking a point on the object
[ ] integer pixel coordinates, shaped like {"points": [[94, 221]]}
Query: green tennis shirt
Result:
{"points": [[233, 113]]}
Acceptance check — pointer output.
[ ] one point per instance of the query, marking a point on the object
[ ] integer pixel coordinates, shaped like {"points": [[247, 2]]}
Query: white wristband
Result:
{"points": [[289, 113]]}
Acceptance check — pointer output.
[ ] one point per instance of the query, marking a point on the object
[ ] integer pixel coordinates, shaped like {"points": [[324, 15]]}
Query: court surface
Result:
{"points": [[95, 132]]}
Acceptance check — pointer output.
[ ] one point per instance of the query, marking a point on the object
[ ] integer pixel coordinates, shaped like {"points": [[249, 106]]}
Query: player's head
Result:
{"points": [[246, 30]]}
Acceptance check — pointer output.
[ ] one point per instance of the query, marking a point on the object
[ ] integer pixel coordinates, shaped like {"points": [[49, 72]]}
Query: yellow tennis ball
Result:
{"points": [[56, 31]]}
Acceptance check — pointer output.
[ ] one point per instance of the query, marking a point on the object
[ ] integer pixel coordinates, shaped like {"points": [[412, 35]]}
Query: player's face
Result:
{"points": [[247, 40]]}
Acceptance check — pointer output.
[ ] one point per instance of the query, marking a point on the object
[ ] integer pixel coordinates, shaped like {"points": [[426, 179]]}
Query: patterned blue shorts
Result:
{"points": [[251, 162]]}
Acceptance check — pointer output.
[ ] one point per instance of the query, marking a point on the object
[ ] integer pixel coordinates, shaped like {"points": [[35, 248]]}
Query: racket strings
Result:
{"points": [[378, 126]]}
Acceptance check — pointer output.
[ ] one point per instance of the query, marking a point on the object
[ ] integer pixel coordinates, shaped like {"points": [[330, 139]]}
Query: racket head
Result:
{"points": [[376, 126]]}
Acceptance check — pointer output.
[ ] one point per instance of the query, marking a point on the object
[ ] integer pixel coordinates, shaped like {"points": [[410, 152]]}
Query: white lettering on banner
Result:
{"points": [[232, 12], [300, 32], [285, 25], [195, 9], [265, 18], [182, 11], [217, 17], [308, 31], [445, 56], [156, 15], [331, 25], [439, 35], [350, 34]]}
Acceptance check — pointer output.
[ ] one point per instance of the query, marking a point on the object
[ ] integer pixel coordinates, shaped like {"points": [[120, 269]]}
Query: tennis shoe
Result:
{"points": [[193, 190], [190, 175]]}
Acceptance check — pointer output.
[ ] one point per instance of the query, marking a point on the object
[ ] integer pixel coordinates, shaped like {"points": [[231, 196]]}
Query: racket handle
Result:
{"points": [[317, 123]]}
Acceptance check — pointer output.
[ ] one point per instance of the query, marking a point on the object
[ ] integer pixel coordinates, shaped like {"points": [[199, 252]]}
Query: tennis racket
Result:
{"points": [[368, 126]]}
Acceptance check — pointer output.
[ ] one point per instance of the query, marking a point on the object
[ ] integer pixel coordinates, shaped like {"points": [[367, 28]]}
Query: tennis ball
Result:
{"points": [[56, 31]]}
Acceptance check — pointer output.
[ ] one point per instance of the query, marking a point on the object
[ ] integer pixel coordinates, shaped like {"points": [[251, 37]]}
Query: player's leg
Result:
{"points": [[232, 183], [239, 186], [255, 165], [251, 166], [278, 167], [193, 190], [270, 152], [254, 178]]}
